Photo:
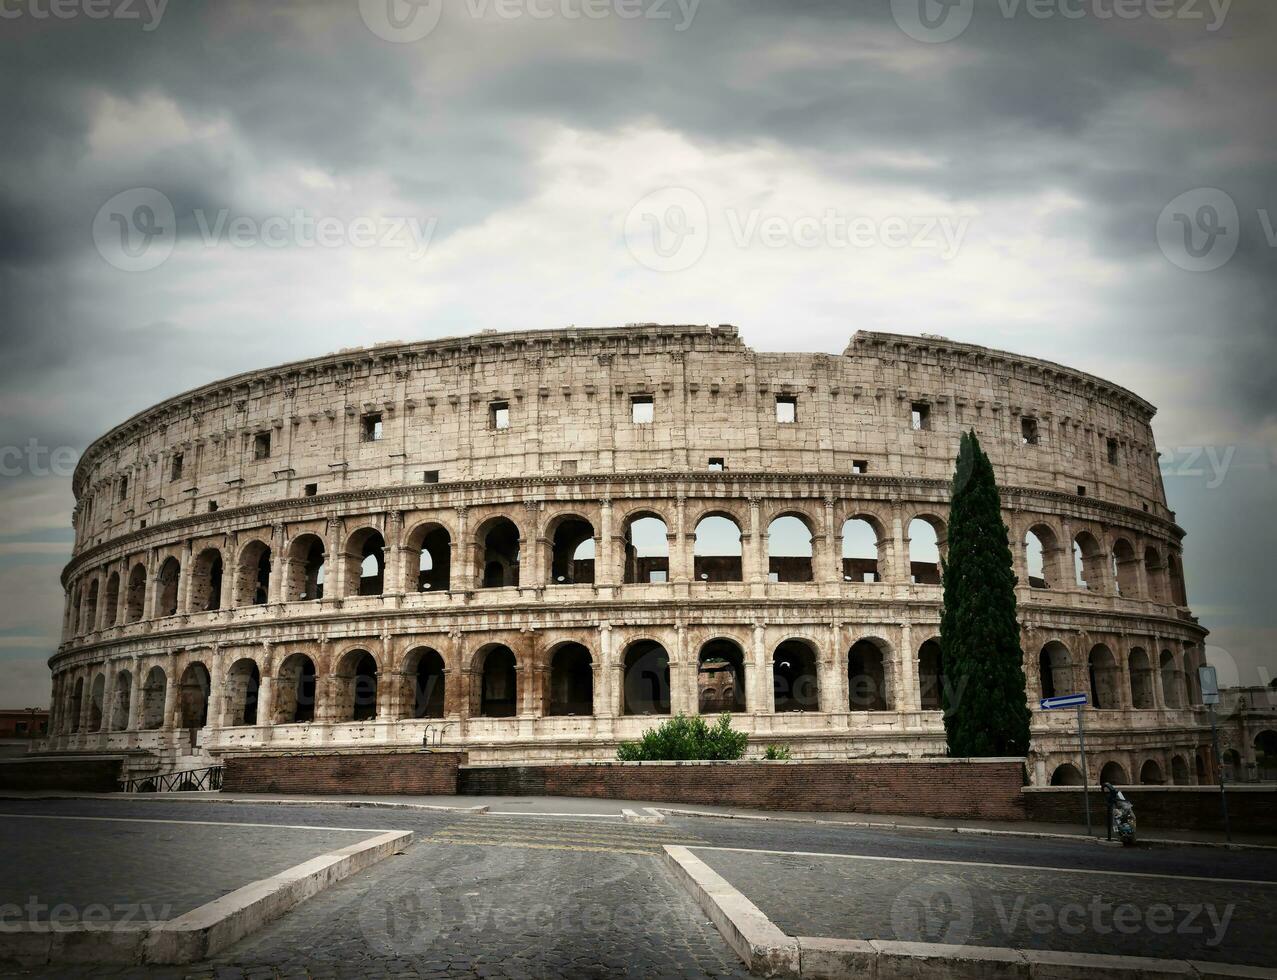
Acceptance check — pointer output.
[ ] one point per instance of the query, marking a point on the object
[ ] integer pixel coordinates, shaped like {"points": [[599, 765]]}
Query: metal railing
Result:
{"points": [[187, 781]]}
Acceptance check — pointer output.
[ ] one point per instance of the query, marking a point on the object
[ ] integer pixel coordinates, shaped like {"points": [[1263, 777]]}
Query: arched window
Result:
{"points": [[795, 681], [860, 557], [924, 550], [1156, 577], [867, 684], [721, 677], [647, 679], [1088, 562], [428, 559], [499, 554], [356, 687], [1172, 680], [365, 563], [572, 552], [154, 690], [1041, 556], [1103, 673], [1055, 670], [498, 687], [1141, 680], [77, 704], [717, 552], [119, 714], [193, 696], [135, 597], [1179, 771], [571, 681], [1176, 569], [242, 686], [647, 552], [307, 569], [789, 550], [206, 582], [295, 690], [1151, 774], [97, 703], [931, 676], [252, 583], [425, 668], [112, 599], [1067, 775], [1125, 569], [1266, 754], [91, 608], [166, 581], [1115, 773]]}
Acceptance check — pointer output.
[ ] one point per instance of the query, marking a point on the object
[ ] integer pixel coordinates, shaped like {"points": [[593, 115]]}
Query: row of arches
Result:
{"points": [[1113, 684], [1085, 565], [1152, 772]]}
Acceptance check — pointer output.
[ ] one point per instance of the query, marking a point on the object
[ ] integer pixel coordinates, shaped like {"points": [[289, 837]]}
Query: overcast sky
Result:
{"points": [[193, 190]]}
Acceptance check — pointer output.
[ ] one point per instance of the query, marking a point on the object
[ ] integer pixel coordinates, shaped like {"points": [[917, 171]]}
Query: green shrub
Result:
{"points": [[686, 738], [777, 753]]}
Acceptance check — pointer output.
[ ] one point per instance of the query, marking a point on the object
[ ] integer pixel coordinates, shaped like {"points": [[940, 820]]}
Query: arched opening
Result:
{"points": [[1266, 754], [1201, 768], [74, 610], [1055, 670], [91, 608], [1176, 569], [498, 683], [1103, 674], [243, 685], [306, 569], [1192, 682], [193, 696], [111, 598], [119, 715], [425, 667], [1232, 763], [77, 704], [1115, 773], [647, 550], [1172, 680], [572, 552], [867, 677], [717, 551], [1179, 771], [795, 681], [252, 584], [931, 677], [206, 581], [1155, 576], [356, 687], [860, 557], [1141, 679], [499, 554], [571, 681], [924, 550], [1088, 562], [1151, 774], [1125, 569], [646, 679], [365, 563], [154, 689], [1067, 774], [135, 596], [166, 580], [720, 677], [428, 559], [789, 550], [1041, 554], [97, 699], [295, 690]]}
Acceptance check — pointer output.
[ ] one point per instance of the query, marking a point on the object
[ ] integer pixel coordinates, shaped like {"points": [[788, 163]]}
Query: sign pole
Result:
{"points": [[1223, 796], [1086, 776]]}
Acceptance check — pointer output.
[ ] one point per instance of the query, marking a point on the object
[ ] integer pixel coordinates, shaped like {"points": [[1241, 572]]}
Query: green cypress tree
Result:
{"points": [[986, 708]]}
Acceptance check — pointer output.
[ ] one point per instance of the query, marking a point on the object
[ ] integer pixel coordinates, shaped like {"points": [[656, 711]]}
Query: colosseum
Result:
{"points": [[528, 545]]}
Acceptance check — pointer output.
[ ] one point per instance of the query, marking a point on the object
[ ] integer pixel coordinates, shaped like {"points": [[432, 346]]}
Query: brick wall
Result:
{"points": [[417, 773], [67, 775], [985, 788], [1251, 810]]}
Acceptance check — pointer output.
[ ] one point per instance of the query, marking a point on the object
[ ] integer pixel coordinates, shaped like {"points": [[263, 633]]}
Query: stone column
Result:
{"points": [[681, 543], [754, 547], [148, 594], [135, 695], [278, 566], [828, 560], [108, 695], [908, 695], [1155, 660], [533, 560], [122, 594], [170, 694], [334, 560], [605, 551], [393, 577], [684, 693], [464, 557], [184, 578], [216, 690], [762, 699], [900, 566], [606, 676], [230, 572]]}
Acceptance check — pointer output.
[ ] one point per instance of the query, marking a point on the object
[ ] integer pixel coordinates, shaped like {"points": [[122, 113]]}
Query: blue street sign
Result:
{"points": [[1064, 701]]}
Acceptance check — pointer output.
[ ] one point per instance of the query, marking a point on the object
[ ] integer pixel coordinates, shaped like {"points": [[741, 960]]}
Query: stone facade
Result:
{"points": [[492, 543]]}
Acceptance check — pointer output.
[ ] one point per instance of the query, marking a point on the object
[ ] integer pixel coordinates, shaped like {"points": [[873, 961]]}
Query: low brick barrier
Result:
{"points": [[414, 772], [1251, 809], [95, 775], [976, 788]]}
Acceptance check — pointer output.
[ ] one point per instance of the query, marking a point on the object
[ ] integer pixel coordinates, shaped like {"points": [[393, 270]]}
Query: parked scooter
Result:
{"points": [[1121, 815]]}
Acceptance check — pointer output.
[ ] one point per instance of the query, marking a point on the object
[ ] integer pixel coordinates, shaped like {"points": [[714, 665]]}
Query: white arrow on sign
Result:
{"points": [[1064, 701]]}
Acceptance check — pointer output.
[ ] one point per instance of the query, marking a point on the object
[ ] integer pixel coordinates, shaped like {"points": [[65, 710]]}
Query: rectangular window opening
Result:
{"points": [[1029, 435], [642, 409], [786, 409], [430, 476], [372, 427], [920, 416], [261, 445], [176, 472], [1081, 490], [124, 487], [212, 506], [312, 489], [717, 464], [1112, 452], [859, 466], [499, 415]]}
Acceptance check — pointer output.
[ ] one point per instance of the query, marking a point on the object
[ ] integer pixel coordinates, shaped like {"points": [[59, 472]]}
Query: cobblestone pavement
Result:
{"points": [[1074, 911], [490, 895]]}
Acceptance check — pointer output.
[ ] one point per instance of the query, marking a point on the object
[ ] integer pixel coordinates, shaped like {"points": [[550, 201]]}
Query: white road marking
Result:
{"points": [[201, 823]]}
